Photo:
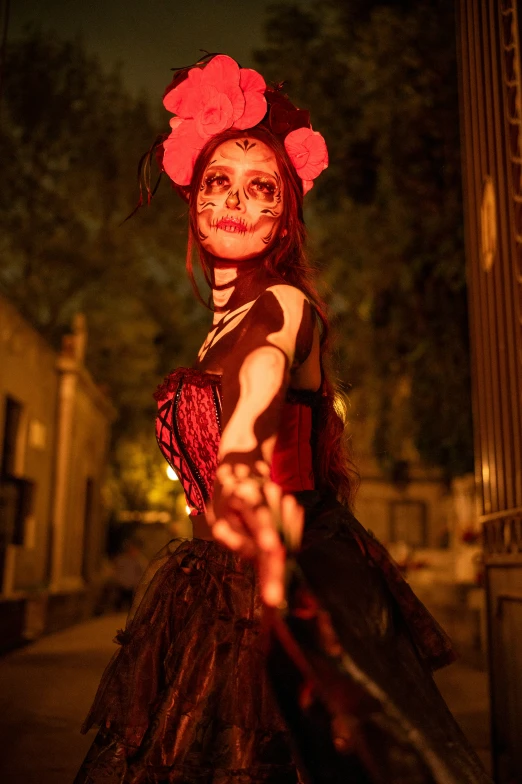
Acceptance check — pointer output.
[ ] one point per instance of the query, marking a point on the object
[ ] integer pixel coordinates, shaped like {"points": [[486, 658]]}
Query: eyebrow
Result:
{"points": [[249, 173]]}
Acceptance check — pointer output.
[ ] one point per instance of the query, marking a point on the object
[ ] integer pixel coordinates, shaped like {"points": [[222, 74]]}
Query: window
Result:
{"points": [[16, 493], [87, 528], [12, 421]]}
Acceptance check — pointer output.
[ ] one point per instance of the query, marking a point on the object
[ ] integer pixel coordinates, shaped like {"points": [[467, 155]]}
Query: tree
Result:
{"points": [[386, 217], [70, 140]]}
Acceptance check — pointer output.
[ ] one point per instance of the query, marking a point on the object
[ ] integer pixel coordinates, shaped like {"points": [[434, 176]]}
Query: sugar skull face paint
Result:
{"points": [[240, 200]]}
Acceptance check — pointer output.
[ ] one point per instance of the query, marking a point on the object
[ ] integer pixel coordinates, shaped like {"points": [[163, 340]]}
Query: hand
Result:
{"points": [[260, 524]]}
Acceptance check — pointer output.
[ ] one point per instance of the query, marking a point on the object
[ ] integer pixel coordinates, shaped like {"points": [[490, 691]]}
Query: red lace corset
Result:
{"points": [[188, 430]]}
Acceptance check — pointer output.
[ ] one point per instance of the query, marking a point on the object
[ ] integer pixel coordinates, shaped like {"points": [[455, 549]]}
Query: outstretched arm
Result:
{"points": [[276, 336]]}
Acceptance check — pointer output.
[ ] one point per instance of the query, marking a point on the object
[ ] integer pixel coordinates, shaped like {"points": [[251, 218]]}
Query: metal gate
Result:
{"points": [[489, 45]]}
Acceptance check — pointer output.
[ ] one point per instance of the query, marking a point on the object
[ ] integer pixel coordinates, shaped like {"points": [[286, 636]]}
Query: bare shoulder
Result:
{"points": [[291, 299], [297, 322]]}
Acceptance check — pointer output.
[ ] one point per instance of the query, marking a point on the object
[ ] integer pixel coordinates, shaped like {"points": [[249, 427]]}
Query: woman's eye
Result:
{"points": [[267, 187], [218, 180]]}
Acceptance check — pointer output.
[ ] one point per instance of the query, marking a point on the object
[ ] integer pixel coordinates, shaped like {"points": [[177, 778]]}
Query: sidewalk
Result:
{"points": [[466, 691], [47, 688]]}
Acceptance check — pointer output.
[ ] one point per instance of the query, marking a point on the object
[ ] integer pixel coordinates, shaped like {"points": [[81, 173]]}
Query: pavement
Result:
{"points": [[466, 691], [46, 690], [47, 687]]}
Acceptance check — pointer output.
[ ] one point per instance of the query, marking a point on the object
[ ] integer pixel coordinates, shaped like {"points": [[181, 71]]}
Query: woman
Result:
{"points": [[250, 428]]}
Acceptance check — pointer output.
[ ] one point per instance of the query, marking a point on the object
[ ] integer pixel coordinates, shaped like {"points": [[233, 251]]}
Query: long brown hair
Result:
{"points": [[287, 260]]}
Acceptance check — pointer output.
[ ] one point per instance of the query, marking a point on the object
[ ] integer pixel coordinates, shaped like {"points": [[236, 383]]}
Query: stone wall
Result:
{"points": [[54, 432]]}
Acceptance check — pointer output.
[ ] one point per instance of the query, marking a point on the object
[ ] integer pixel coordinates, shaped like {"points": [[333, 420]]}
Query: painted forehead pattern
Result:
{"points": [[245, 150]]}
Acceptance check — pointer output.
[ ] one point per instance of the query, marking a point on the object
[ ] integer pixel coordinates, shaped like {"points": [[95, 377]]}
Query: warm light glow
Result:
{"points": [[172, 474], [188, 510]]}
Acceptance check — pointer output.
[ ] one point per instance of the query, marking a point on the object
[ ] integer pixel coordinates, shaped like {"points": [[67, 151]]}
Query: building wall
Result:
{"points": [[420, 514], [28, 375], [61, 446], [416, 508], [431, 530], [84, 533]]}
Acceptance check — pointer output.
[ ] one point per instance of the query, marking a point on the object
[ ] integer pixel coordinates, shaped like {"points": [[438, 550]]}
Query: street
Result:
{"points": [[46, 689]]}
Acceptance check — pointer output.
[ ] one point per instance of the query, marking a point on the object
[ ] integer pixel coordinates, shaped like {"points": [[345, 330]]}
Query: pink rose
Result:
{"points": [[181, 149], [307, 151], [184, 100], [216, 114], [234, 96], [253, 86], [221, 95], [210, 100]]}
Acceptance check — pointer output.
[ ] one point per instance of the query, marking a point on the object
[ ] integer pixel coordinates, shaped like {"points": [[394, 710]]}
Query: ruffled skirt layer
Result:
{"points": [[187, 696]]}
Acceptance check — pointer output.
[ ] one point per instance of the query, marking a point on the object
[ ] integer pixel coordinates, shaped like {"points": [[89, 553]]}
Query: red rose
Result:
{"points": [[216, 114], [235, 94], [307, 151], [253, 86], [210, 100], [181, 149]]}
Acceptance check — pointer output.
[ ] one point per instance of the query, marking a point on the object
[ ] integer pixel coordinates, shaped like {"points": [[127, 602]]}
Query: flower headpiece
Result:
{"points": [[215, 95]]}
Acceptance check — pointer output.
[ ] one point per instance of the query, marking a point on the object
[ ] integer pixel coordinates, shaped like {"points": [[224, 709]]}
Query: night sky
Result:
{"points": [[148, 37]]}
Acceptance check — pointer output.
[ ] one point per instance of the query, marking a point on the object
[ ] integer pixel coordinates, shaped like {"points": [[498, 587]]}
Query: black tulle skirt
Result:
{"points": [[206, 687]]}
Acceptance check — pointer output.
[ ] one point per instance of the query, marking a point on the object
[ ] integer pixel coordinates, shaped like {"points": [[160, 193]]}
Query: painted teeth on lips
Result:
{"points": [[231, 225]]}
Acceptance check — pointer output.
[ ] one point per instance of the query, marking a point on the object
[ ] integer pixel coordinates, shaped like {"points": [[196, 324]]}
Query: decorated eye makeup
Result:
{"points": [[263, 187], [216, 181]]}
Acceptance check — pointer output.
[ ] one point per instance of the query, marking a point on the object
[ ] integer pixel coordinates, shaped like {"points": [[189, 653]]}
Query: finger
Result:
{"points": [[249, 490], [222, 531], [271, 567], [273, 495], [261, 524], [235, 541], [270, 551], [292, 522], [262, 468], [256, 521]]}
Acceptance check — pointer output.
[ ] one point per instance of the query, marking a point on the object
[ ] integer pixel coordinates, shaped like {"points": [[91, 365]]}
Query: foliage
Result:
{"points": [[70, 140], [137, 478], [386, 217]]}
